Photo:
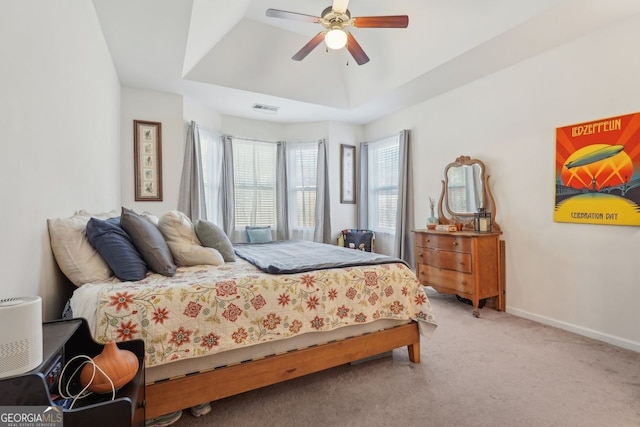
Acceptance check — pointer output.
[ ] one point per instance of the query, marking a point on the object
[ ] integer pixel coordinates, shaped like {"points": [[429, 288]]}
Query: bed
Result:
{"points": [[212, 331]]}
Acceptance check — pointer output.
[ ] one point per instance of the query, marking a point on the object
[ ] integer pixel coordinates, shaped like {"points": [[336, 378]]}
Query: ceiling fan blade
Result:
{"points": [[399, 21], [307, 48], [355, 50], [275, 13], [340, 6]]}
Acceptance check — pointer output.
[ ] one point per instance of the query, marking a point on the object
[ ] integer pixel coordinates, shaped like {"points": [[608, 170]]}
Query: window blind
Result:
{"points": [[254, 171], [302, 170], [383, 178]]}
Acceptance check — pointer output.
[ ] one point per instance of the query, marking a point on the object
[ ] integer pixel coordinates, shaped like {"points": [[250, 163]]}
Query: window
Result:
{"points": [[302, 168], [258, 170], [254, 172], [383, 178]]}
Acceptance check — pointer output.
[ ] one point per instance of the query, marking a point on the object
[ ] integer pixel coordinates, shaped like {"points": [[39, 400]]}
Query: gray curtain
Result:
{"points": [[227, 200], [191, 200], [362, 195], [403, 246], [282, 195], [323, 204]]}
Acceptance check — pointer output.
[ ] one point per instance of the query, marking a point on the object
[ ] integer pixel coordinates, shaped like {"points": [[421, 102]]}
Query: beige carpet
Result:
{"points": [[498, 370]]}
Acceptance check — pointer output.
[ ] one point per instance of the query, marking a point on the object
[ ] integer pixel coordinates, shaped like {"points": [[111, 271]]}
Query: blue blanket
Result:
{"points": [[299, 256]]}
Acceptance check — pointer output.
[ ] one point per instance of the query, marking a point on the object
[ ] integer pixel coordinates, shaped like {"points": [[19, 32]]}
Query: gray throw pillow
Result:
{"points": [[212, 236], [149, 241]]}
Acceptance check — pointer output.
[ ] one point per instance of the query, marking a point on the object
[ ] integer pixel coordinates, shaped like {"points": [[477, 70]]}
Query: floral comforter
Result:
{"points": [[206, 309]]}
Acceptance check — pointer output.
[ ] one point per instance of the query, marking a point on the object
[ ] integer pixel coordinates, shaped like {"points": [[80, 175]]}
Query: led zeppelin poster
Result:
{"points": [[598, 172]]}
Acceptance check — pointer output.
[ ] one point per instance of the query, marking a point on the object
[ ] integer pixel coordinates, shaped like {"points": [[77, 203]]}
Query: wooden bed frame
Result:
{"points": [[183, 392]]}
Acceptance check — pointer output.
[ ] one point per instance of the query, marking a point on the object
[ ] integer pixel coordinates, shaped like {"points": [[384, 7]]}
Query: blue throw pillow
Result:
{"points": [[116, 248], [259, 234]]}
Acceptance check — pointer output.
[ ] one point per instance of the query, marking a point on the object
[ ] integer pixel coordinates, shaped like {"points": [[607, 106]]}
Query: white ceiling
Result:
{"points": [[228, 54]]}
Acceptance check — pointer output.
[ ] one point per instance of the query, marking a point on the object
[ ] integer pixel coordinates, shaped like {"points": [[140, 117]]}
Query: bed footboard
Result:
{"points": [[183, 392]]}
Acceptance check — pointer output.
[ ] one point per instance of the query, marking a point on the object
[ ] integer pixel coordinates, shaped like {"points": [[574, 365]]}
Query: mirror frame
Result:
{"points": [[488, 201]]}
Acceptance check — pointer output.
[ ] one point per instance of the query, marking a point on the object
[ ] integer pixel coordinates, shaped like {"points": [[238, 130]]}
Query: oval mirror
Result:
{"points": [[465, 189], [465, 192]]}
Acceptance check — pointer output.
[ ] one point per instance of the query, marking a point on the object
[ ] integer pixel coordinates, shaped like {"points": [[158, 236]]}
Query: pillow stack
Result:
{"points": [[94, 247]]}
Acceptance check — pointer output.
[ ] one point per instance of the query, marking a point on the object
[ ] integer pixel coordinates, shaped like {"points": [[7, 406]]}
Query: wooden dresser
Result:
{"points": [[464, 263]]}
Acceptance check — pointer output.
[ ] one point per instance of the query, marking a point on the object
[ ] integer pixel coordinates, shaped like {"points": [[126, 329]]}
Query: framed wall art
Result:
{"points": [[347, 173], [147, 160], [598, 172]]}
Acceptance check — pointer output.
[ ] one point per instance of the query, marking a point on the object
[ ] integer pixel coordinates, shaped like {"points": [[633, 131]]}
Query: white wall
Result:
{"points": [[160, 107], [203, 116], [175, 112], [575, 276], [59, 121], [246, 128], [342, 215]]}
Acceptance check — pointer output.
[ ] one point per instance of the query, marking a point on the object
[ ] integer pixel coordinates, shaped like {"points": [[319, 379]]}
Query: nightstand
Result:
{"points": [[62, 340]]}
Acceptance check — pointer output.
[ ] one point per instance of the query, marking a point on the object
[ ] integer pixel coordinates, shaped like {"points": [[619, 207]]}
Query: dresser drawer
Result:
{"points": [[451, 260], [445, 241], [446, 279]]}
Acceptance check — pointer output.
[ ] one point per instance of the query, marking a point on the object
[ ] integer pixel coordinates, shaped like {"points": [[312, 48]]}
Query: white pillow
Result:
{"points": [[102, 215], [152, 218], [185, 247], [75, 256]]}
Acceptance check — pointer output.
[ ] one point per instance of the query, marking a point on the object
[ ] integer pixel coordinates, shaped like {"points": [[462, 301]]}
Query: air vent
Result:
{"points": [[266, 109]]}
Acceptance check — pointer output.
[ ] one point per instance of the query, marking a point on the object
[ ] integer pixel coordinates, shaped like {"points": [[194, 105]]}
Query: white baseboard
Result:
{"points": [[590, 333]]}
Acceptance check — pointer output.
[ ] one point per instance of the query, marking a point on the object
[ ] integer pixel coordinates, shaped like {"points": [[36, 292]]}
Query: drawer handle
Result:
{"points": [[455, 243]]}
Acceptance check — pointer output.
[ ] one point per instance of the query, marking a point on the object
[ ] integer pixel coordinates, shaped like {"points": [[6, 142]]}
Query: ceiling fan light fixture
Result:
{"points": [[335, 19], [336, 39]]}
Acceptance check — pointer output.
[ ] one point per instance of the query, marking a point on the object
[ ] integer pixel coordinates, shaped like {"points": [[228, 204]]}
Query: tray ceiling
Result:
{"points": [[228, 55]]}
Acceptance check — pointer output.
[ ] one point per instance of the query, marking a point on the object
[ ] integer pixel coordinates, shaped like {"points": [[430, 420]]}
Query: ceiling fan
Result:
{"points": [[335, 19]]}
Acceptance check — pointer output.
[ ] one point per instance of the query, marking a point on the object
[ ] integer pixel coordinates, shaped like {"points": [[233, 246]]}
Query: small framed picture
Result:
{"points": [[147, 160], [347, 173]]}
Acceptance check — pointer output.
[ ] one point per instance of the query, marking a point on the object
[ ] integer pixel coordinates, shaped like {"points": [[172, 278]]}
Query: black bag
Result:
{"points": [[359, 240]]}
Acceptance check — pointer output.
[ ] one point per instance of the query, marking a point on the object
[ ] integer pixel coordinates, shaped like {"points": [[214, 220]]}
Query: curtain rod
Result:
{"points": [[251, 139], [271, 142]]}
